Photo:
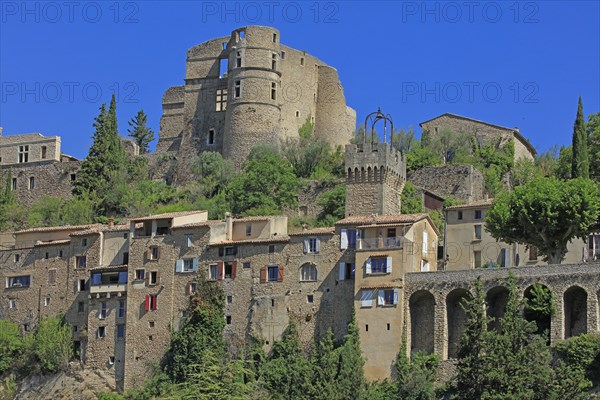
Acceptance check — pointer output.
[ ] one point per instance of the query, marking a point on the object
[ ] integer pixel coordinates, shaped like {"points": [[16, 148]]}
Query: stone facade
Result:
{"points": [[463, 182], [482, 133], [38, 167], [246, 89]]}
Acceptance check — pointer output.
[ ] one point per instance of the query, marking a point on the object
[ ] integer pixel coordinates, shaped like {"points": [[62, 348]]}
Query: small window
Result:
{"points": [[460, 215], [153, 278], [213, 270], [242, 34], [367, 328], [273, 274], [310, 298], [308, 273], [388, 297], [274, 61], [102, 333], [73, 177], [248, 229], [31, 183], [191, 288], [81, 261], [237, 89], [230, 251], [221, 102], [211, 136], [84, 242], [283, 55], [302, 61], [533, 253], [274, 38], [150, 324], [103, 310], [228, 319], [17, 257], [81, 285], [126, 258], [477, 232], [223, 67], [378, 265], [297, 114], [47, 301], [51, 276], [229, 299], [350, 270], [125, 235], [228, 273], [246, 265], [120, 331], [188, 265], [46, 255], [44, 150], [477, 259], [121, 311], [238, 59], [388, 326], [273, 91], [18, 281], [271, 248], [312, 245], [478, 214], [14, 183], [111, 360], [151, 303], [12, 303], [24, 154], [60, 253], [140, 274], [80, 307], [154, 253], [150, 338]]}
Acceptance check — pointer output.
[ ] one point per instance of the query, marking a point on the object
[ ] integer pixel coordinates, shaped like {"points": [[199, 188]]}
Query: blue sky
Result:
{"points": [[516, 64]]}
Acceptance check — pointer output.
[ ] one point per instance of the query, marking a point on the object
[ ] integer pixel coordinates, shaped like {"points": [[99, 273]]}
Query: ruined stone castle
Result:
{"points": [[124, 288]]}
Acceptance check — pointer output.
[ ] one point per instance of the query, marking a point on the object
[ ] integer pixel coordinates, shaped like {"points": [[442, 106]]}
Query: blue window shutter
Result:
{"points": [[195, 264], [306, 245], [342, 271], [388, 265], [368, 265], [179, 266]]}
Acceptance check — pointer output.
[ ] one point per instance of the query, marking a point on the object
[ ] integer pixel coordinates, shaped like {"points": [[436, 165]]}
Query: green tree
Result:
{"points": [[105, 159], [581, 161], [524, 171], [581, 352], [53, 344], [448, 145], [412, 199], [334, 205], [11, 345], [593, 133], [213, 172], [351, 378], [141, 133], [546, 162], [287, 374], [540, 307], [564, 163], [324, 364], [267, 185], [415, 376], [546, 213]]}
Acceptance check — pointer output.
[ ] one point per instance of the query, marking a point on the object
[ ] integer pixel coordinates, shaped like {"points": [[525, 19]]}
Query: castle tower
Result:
{"points": [[253, 91], [375, 175]]}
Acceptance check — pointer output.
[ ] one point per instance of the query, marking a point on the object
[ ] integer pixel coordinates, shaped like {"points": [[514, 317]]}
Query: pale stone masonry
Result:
{"points": [[246, 89]]}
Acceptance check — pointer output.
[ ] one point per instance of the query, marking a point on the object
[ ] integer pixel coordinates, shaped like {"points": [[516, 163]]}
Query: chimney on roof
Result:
{"points": [[229, 226], [111, 222]]}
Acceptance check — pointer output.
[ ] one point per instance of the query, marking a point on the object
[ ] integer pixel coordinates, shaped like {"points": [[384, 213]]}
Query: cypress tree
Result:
{"points": [[581, 161], [140, 132], [351, 378]]}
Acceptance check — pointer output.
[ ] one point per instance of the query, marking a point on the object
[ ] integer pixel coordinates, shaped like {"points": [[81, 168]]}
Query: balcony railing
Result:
{"points": [[379, 243], [108, 287]]}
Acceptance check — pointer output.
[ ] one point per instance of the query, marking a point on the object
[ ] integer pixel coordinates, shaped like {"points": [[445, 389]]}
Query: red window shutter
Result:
{"points": [[280, 275], [154, 302], [220, 271], [233, 269], [263, 274], [147, 303]]}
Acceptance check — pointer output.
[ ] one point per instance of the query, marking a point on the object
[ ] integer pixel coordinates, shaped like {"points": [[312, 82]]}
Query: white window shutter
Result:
{"points": [[368, 266], [366, 298], [342, 271], [380, 300], [306, 245], [179, 266], [344, 239], [388, 265], [195, 264], [396, 293], [425, 240], [318, 245]]}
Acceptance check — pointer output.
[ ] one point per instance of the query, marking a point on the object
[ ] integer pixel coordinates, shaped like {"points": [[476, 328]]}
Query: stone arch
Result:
{"points": [[456, 319], [307, 272], [542, 322], [363, 175], [496, 300], [356, 175], [376, 174], [422, 311], [369, 174], [349, 176], [575, 303]]}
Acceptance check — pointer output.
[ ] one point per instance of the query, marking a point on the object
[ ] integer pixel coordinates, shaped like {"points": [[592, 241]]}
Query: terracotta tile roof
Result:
{"points": [[256, 218], [56, 228], [102, 228], [478, 203], [107, 267], [315, 231], [199, 224], [167, 215], [52, 242], [251, 241], [382, 286], [382, 219], [385, 225]]}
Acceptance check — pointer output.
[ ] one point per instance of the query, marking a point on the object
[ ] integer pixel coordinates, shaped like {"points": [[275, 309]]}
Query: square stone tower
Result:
{"points": [[375, 177]]}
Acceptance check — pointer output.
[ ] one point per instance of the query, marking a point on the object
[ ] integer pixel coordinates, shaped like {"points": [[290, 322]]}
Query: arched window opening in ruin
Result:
{"points": [[539, 308], [575, 302], [369, 174], [363, 175], [456, 319], [349, 177], [496, 300], [356, 175], [422, 311], [376, 174], [308, 273]]}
